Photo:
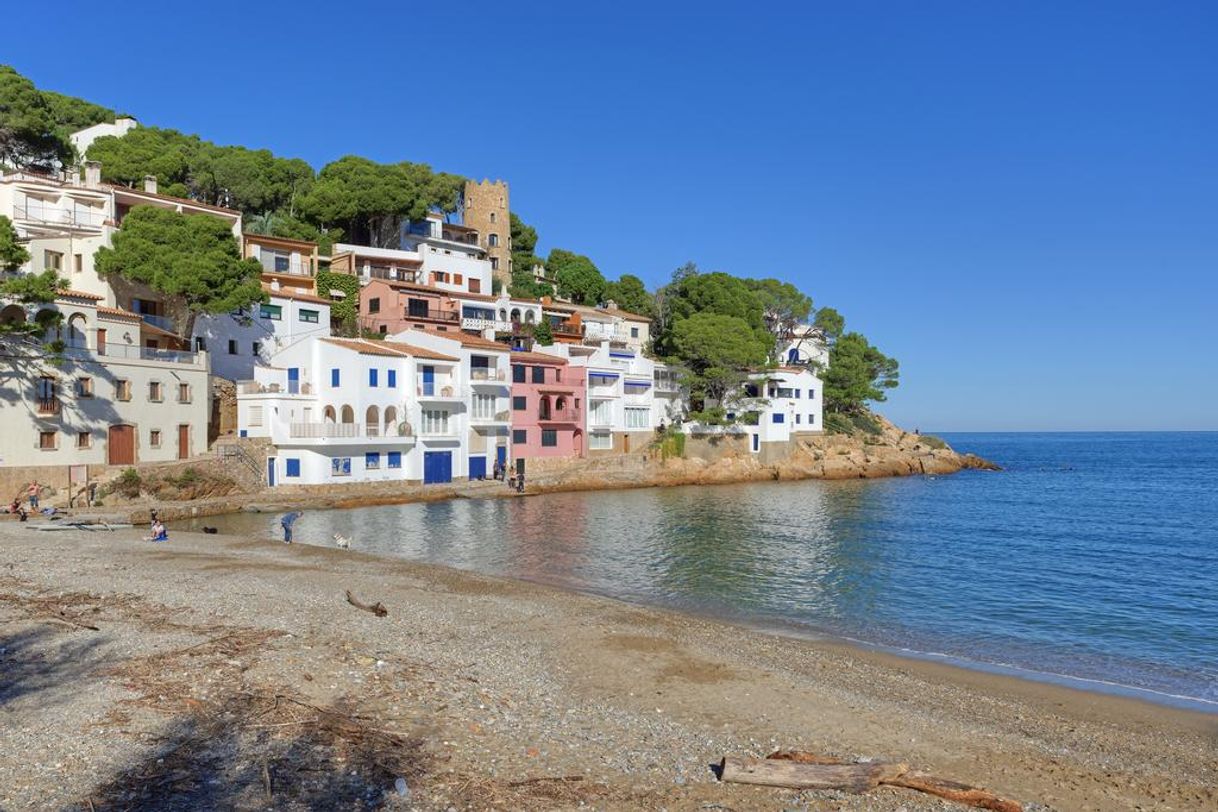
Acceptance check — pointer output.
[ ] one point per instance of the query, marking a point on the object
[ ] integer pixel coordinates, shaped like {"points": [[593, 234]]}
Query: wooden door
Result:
{"points": [[184, 442], [120, 445]]}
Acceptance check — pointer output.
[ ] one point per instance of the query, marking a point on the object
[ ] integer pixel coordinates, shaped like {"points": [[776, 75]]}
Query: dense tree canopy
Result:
{"points": [[783, 306], [29, 133], [190, 256], [830, 323], [719, 293], [166, 154], [524, 244], [12, 253], [577, 277], [73, 114], [858, 373], [25, 289], [630, 294], [717, 350]]}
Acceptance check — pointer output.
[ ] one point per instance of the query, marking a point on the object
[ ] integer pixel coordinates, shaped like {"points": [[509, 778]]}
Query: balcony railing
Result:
{"points": [[436, 391], [497, 417], [256, 388], [487, 374], [133, 351], [565, 329], [54, 215], [450, 316], [347, 431], [475, 323], [51, 405], [559, 416]]}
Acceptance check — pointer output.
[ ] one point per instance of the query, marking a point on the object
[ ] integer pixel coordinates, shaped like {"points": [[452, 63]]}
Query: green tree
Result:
{"points": [[246, 179], [543, 334], [12, 253], [26, 290], [831, 323], [718, 351], [29, 135], [630, 294], [524, 236], [858, 373], [192, 257], [166, 154], [576, 276], [715, 293], [524, 243], [784, 308], [73, 114]]}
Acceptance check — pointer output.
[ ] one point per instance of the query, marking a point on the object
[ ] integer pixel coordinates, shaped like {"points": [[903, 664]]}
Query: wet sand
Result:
{"points": [[229, 672]]}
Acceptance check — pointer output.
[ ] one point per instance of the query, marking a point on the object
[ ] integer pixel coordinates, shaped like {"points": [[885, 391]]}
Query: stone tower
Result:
{"points": [[486, 209]]}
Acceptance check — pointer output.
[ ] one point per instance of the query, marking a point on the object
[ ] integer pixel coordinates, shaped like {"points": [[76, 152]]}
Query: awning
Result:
{"points": [[613, 354], [612, 376], [637, 383]]}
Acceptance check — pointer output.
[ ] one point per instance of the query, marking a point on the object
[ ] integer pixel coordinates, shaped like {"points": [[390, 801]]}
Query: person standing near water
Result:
{"points": [[286, 522], [32, 492]]}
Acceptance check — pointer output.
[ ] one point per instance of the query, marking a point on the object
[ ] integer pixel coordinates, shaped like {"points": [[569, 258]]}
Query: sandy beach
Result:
{"points": [[214, 672]]}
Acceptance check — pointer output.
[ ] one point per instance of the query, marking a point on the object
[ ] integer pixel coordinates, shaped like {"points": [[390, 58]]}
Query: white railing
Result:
{"points": [[59, 216], [132, 351], [487, 374], [256, 388], [497, 417], [347, 431]]}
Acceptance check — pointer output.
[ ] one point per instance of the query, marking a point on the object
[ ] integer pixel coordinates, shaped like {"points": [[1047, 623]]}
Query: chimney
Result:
{"points": [[74, 176], [93, 174], [611, 305], [150, 184]]}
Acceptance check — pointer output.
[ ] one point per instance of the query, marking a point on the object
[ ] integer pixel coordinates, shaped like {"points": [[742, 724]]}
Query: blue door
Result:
{"points": [[429, 380], [270, 472], [437, 467], [293, 380], [477, 467], [501, 453]]}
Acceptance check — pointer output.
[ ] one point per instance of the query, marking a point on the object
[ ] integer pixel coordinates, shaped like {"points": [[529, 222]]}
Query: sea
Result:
{"points": [[1091, 559]]}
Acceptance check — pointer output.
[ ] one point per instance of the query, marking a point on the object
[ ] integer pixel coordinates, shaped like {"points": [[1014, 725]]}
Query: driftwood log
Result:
{"points": [[377, 608], [975, 797], [799, 775]]}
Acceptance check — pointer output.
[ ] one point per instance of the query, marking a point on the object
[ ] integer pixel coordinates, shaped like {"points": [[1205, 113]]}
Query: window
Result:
{"points": [[435, 421], [48, 440], [154, 438], [309, 316], [635, 388], [494, 265], [374, 305], [232, 346], [372, 460], [255, 415], [518, 373], [811, 420], [52, 260], [634, 332], [282, 263], [78, 262], [520, 436], [340, 466], [784, 392], [811, 394], [549, 438], [270, 311], [492, 217], [392, 378], [372, 378], [600, 413], [257, 348], [484, 407], [797, 394], [493, 241], [457, 280], [637, 418], [84, 440], [779, 417], [183, 393], [539, 374], [417, 308], [442, 276], [84, 387], [600, 440], [798, 418], [291, 467], [395, 459], [334, 377], [122, 390], [383, 329], [519, 403], [200, 344], [154, 391]]}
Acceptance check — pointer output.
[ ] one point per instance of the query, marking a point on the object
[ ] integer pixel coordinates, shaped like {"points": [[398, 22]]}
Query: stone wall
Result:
{"points": [[482, 199]]}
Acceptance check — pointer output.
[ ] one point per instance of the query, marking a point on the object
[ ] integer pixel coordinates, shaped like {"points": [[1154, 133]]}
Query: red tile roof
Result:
{"points": [[390, 349], [284, 293], [465, 339], [80, 294], [118, 312], [519, 357]]}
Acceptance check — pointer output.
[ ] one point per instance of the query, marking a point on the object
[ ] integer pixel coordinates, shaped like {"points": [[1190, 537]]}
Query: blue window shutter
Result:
{"points": [[779, 418], [292, 467], [372, 377], [395, 459], [334, 377], [392, 375]]}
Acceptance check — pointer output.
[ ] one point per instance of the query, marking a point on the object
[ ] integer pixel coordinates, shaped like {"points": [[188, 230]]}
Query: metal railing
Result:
{"points": [[55, 215], [51, 405], [132, 351], [434, 315], [229, 451], [158, 321], [558, 416], [435, 391], [336, 431]]}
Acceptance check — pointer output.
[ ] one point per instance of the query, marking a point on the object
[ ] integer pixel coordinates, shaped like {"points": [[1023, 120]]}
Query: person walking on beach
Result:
{"points": [[32, 493], [511, 481], [286, 523]]}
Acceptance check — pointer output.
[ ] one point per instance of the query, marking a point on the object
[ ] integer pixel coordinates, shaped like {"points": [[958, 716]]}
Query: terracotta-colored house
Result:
{"points": [[548, 401], [389, 307]]}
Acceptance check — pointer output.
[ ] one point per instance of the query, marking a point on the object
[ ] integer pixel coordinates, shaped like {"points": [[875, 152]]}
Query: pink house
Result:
{"points": [[547, 407]]}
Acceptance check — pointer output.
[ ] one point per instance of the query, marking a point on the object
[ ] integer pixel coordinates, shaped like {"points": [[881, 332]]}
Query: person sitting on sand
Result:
{"points": [[159, 533]]}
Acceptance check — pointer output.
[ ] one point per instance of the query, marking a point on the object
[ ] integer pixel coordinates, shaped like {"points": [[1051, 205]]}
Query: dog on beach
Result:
{"points": [[211, 531], [342, 541]]}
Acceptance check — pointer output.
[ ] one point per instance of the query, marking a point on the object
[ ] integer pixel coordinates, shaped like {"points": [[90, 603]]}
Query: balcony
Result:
{"points": [[48, 406], [559, 416], [600, 420], [351, 433], [565, 329], [445, 316], [487, 375], [37, 212], [159, 321], [498, 325], [133, 352], [256, 388], [497, 417]]}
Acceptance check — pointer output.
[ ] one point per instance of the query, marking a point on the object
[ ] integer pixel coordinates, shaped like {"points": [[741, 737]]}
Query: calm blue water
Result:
{"points": [[1093, 556]]}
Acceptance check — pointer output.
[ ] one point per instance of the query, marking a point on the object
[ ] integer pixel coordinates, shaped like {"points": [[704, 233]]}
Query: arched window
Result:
{"points": [[502, 314], [492, 217], [76, 331], [13, 314], [529, 317], [391, 421], [515, 314], [543, 408], [47, 318], [348, 414], [560, 404], [792, 355], [493, 240], [372, 420], [328, 414]]}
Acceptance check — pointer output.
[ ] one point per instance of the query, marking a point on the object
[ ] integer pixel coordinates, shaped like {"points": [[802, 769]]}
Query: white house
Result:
{"points": [[118, 128], [668, 405], [807, 347], [351, 410], [239, 342], [485, 378], [784, 402], [621, 413]]}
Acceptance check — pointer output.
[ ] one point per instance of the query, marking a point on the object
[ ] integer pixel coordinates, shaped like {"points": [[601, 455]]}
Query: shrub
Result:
{"points": [[127, 484], [713, 416], [931, 441], [866, 424], [838, 424], [670, 443]]}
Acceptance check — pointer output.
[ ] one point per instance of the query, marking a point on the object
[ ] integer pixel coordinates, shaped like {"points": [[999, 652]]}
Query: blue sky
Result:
{"points": [[1019, 201]]}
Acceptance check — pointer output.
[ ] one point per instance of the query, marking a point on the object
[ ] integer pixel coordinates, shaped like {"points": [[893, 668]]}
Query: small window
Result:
{"points": [[122, 390], [634, 332], [519, 403], [52, 260], [811, 420], [84, 387], [270, 311], [797, 394], [492, 217], [492, 240], [458, 279], [518, 373], [383, 329], [183, 393], [779, 417], [799, 418], [811, 394], [255, 416], [309, 316], [539, 374], [391, 378], [154, 438], [549, 438], [84, 440], [78, 262], [232, 346], [494, 263], [200, 344], [340, 466], [374, 305], [257, 348], [154, 391], [282, 263], [48, 440], [291, 467], [334, 377], [520, 436], [372, 460], [372, 377], [395, 459]]}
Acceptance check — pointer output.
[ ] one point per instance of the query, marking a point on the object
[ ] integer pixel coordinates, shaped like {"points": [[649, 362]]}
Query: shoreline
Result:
{"points": [[547, 651]]}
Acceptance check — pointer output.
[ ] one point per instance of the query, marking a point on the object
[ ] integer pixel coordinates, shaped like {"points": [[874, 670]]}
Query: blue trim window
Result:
{"points": [[372, 377], [291, 467], [391, 376], [372, 460], [340, 466], [518, 373], [797, 394], [520, 436], [334, 377], [395, 459], [539, 374], [779, 418]]}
